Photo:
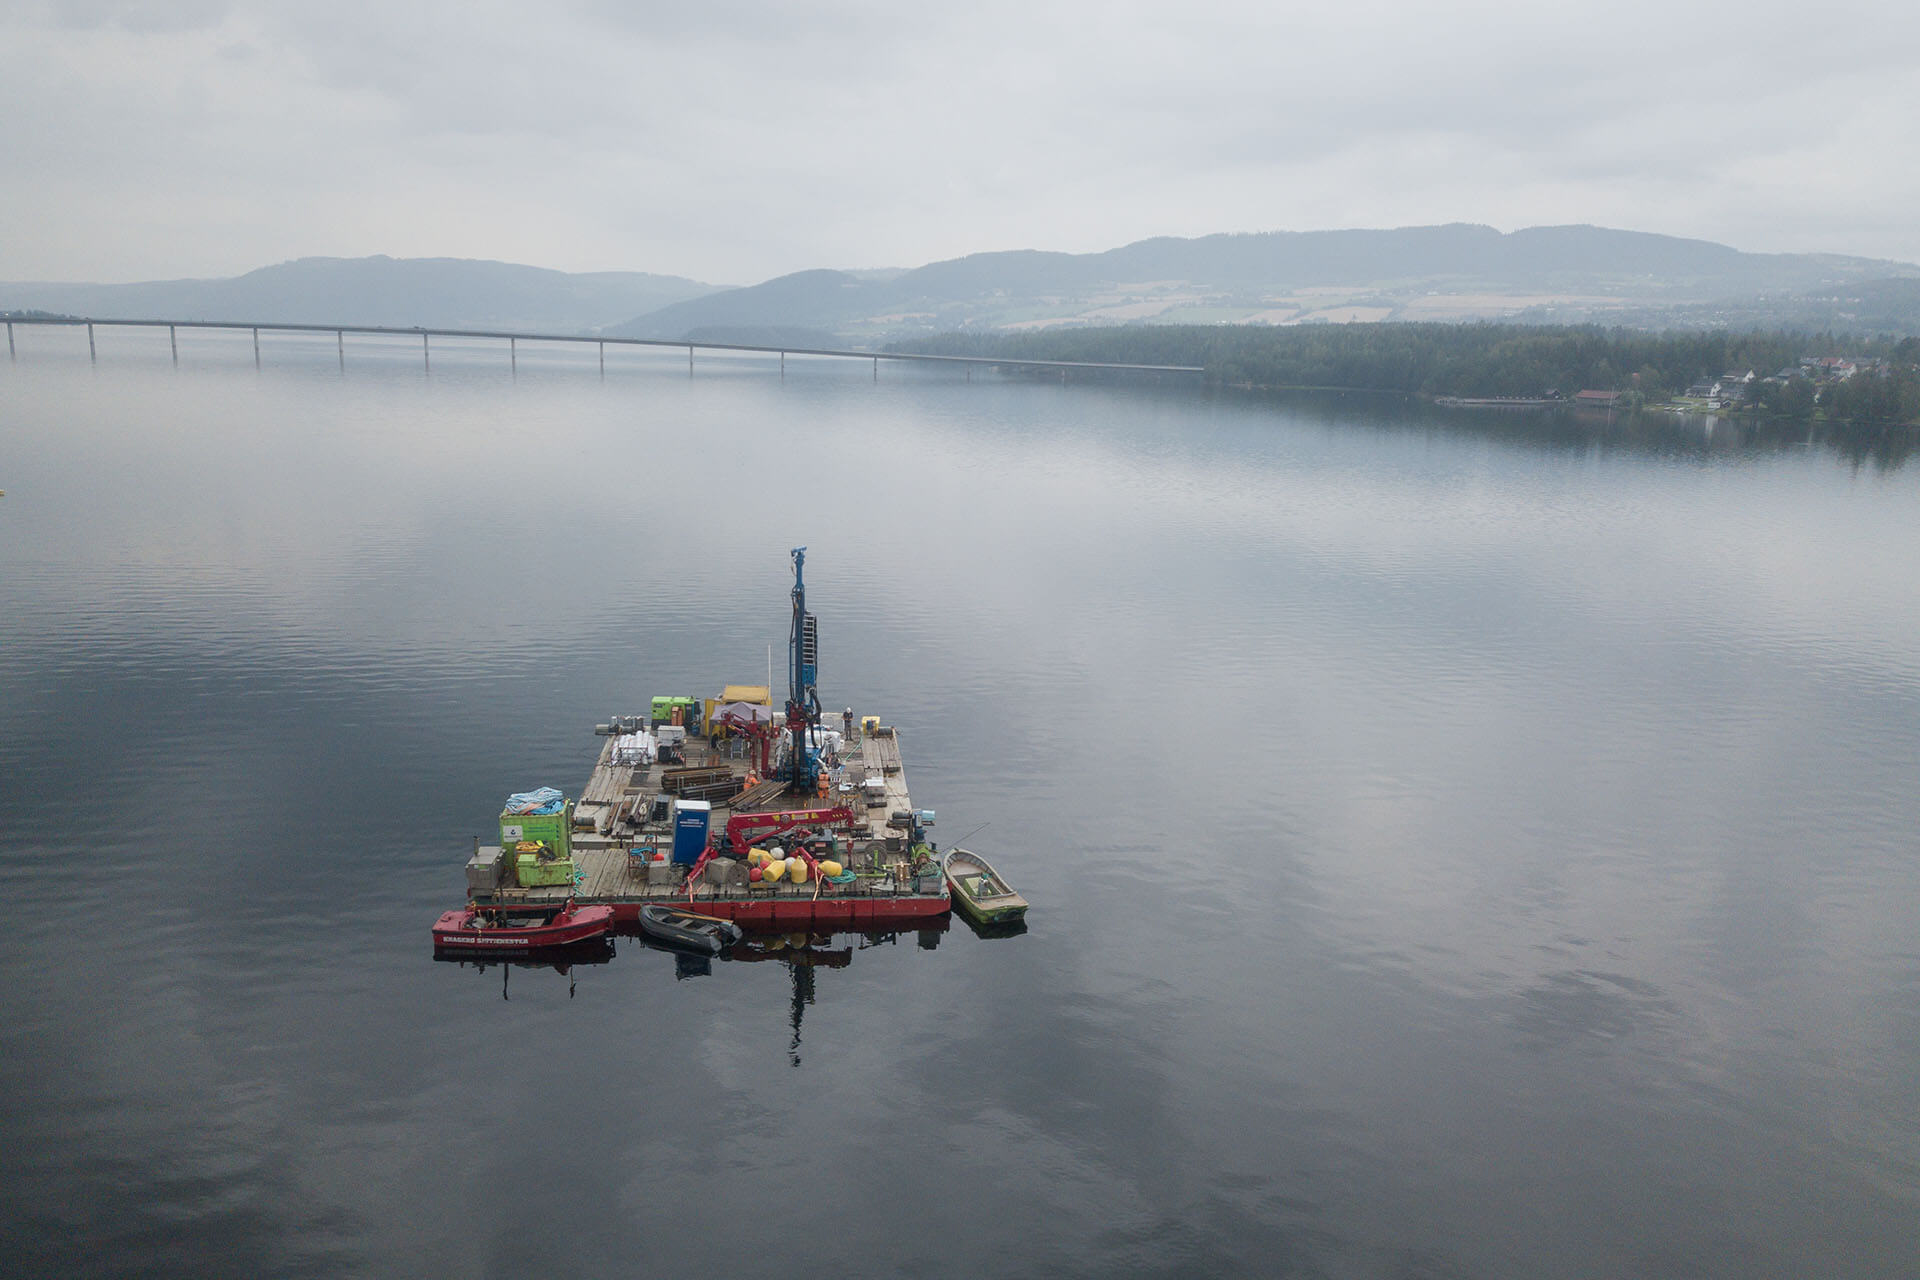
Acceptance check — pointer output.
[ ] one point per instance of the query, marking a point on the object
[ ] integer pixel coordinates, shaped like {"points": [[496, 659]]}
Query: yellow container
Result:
{"points": [[758, 857], [797, 870], [773, 870], [828, 867], [868, 724]]}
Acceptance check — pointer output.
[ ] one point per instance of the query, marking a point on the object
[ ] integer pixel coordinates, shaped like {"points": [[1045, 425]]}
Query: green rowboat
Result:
{"points": [[979, 891]]}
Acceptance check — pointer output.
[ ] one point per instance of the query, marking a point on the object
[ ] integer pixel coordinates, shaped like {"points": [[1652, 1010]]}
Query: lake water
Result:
{"points": [[1458, 847]]}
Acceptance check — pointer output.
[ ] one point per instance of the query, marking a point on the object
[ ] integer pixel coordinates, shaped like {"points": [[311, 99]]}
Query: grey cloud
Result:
{"points": [[741, 139], [141, 16]]}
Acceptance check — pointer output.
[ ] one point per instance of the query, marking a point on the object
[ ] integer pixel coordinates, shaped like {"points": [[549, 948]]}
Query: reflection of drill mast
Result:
{"points": [[803, 699], [802, 997]]}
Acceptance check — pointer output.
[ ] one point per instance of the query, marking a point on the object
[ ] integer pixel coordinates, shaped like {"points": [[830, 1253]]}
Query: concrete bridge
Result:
{"points": [[513, 341]]}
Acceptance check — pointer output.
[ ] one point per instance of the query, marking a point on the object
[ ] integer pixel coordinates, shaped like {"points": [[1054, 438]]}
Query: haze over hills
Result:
{"points": [[447, 293], [1453, 272], [1446, 273]]}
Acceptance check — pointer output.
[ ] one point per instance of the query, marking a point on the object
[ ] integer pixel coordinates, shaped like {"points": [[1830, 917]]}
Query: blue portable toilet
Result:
{"points": [[690, 821]]}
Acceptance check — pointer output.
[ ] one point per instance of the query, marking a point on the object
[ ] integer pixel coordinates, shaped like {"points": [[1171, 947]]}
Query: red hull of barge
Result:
{"points": [[776, 914]]}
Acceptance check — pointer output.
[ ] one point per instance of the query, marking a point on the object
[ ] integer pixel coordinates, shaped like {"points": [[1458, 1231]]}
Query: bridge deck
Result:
{"points": [[677, 344]]}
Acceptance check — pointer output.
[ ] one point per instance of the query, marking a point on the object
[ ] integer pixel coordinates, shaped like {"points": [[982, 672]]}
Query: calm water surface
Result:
{"points": [[1458, 849]]}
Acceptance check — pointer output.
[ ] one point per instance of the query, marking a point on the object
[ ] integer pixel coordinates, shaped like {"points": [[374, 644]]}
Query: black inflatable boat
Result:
{"points": [[688, 930]]}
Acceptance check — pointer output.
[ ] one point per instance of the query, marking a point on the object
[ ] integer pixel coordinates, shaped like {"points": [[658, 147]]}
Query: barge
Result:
{"points": [[681, 800]]}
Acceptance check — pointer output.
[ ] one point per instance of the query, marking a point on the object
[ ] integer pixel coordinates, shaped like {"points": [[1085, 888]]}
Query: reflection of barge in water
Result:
{"points": [[679, 800]]}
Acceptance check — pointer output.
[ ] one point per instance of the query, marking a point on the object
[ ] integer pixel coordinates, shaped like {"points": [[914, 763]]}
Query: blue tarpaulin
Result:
{"points": [[542, 800]]}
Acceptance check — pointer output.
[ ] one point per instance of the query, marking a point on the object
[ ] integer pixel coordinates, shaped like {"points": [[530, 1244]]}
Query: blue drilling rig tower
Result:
{"points": [[803, 698]]}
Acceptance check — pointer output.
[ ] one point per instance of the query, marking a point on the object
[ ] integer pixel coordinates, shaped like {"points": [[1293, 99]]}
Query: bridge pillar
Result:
{"points": [[603, 360], [689, 359], [513, 355], [876, 368], [340, 345], [173, 345], [783, 364], [256, 348], [426, 359], [10, 355], [91, 356]]}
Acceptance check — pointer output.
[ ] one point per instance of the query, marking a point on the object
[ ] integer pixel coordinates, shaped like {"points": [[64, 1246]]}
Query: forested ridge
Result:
{"points": [[1492, 360]]}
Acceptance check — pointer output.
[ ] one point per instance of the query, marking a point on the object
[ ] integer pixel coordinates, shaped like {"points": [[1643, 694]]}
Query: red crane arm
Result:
{"points": [[765, 824], [742, 828]]}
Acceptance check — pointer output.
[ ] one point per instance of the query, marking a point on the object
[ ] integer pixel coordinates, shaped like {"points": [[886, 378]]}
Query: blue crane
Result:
{"points": [[803, 699]]}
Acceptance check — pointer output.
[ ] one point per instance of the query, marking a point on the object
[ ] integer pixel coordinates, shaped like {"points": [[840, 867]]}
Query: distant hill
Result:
{"points": [[817, 300], [1452, 272], [1874, 308], [447, 293], [1555, 275]]}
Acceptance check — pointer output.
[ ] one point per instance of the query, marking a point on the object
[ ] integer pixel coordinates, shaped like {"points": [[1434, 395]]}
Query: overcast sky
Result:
{"points": [[733, 140]]}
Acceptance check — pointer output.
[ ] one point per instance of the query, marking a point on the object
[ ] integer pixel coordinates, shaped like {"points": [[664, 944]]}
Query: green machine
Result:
{"points": [[663, 710]]}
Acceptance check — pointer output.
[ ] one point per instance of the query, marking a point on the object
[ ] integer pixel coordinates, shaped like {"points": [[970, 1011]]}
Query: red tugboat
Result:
{"points": [[486, 929]]}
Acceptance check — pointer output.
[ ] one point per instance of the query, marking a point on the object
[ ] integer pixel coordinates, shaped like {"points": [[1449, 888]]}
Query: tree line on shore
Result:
{"points": [[1487, 360]]}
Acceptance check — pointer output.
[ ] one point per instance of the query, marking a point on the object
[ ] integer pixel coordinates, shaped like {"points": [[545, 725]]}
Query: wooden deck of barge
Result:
{"points": [[616, 795]]}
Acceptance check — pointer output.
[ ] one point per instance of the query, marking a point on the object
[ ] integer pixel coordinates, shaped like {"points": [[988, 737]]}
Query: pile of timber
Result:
{"points": [[716, 783], [766, 795]]}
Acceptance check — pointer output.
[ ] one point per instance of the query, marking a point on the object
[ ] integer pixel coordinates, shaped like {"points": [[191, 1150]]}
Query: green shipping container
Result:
{"points": [[554, 828], [534, 873]]}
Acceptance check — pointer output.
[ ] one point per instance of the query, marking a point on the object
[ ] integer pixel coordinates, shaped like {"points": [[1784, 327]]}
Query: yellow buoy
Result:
{"points": [[828, 867], [797, 871], [773, 871], [757, 858]]}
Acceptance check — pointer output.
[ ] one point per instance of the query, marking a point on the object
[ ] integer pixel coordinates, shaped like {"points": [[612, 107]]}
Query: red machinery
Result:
{"points": [[760, 732], [742, 828]]}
